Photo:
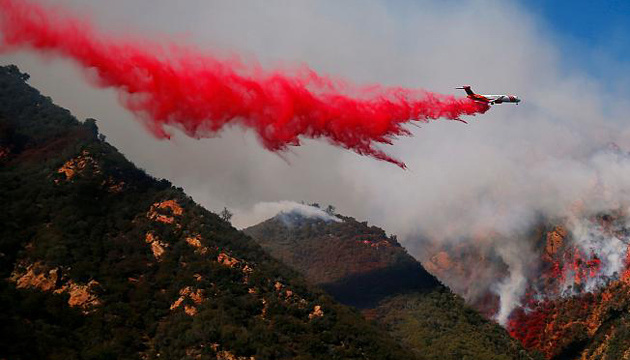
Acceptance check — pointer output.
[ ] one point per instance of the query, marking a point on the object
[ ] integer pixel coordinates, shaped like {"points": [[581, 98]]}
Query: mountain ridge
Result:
{"points": [[360, 265], [99, 260]]}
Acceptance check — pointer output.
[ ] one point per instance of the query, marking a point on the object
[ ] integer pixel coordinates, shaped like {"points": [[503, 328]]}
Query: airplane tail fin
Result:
{"points": [[467, 89]]}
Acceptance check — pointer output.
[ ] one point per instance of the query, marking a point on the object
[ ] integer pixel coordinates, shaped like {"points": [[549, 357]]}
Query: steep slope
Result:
{"points": [[357, 264], [579, 306], [361, 266], [100, 261], [577, 298]]}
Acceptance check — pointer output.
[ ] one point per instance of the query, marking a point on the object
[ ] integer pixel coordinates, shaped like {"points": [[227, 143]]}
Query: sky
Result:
{"points": [[496, 175], [592, 34], [590, 21]]}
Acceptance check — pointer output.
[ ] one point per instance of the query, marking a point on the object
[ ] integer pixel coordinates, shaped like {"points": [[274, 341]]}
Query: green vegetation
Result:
{"points": [[440, 326], [360, 265], [102, 221]]}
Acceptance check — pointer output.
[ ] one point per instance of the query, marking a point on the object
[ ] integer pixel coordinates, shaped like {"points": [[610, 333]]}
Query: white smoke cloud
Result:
{"points": [[610, 246], [497, 174], [511, 288], [265, 210]]}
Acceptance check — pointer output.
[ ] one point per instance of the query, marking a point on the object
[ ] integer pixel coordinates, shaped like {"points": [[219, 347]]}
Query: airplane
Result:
{"points": [[489, 99]]}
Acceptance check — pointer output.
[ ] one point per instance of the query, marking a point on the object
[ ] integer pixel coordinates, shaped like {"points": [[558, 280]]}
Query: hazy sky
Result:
{"points": [[497, 47], [495, 174]]}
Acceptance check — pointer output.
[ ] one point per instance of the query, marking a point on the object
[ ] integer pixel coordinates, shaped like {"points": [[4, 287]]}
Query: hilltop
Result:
{"points": [[356, 263], [360, 265]]}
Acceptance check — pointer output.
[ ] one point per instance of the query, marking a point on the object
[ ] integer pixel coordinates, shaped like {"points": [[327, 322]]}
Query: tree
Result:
{"points": [[330, 210], [90, 124], [226, 214]]}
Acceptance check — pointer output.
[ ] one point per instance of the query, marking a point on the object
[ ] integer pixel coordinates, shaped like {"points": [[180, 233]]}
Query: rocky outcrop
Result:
{"points": [[317, 312], [196, 296], [78, 164], [439, 262], [555, 240], [38, 276], [165, 211], [81, 295], [195, 241], [158, 247], [227, 260]]}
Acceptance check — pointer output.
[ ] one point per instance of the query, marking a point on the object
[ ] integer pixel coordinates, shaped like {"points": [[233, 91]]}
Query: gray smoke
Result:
{"points": [[496, 175], [610, 246]]}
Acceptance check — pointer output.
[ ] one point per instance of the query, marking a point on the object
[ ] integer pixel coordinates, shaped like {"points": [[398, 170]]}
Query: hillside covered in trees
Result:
{"points": [[361, 266], [99, 260]]}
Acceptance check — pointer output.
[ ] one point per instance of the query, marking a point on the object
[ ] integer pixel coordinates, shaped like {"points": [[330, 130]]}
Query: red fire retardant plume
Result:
{"points": [[200, 94]]}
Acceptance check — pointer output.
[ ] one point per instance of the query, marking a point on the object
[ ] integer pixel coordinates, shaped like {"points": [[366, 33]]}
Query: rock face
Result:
{"points": [[165, 211], [555, 240], [158, 247], [93, 270], [81, 295], [41, 277], [36, 276], [227, 260], [77, 165], [196, 296], [317, 312]]}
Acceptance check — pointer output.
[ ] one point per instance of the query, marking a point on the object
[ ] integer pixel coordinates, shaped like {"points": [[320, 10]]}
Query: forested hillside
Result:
{"points": [[356, 263], [361, 266], [99, 260]]}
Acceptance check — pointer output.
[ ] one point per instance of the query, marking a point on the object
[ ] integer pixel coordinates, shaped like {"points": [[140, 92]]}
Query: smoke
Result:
{"points": [[507, 245], [285, 210], [477, 189], [602, 248], [510, 289], [200, 94]]}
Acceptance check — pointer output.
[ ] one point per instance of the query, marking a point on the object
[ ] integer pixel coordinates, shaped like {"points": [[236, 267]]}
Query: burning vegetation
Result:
{"points": [[571, 290]]}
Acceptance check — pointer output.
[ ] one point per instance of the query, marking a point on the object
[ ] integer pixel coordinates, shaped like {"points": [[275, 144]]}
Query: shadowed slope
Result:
{"points": [[360, 265], [357, 264]]}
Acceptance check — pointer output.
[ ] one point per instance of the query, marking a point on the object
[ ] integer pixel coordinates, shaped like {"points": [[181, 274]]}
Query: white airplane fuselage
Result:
{"points": [[490, 99], [498, 99]]}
